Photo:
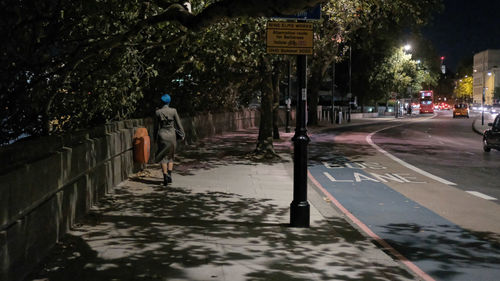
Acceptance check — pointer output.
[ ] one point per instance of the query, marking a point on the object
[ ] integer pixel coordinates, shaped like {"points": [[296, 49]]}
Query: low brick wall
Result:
{"points": [[48, 184], [364, 115]]}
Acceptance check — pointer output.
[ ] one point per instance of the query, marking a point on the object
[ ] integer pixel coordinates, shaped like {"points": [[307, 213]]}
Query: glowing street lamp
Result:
{"points": [[407, 47]]}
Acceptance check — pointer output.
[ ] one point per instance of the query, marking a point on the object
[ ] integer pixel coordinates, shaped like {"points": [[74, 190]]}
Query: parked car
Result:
{"points": [[491, 137], [460, 109]]}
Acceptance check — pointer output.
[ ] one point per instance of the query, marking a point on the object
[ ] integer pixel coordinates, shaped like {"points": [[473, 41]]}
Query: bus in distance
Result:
{"points": [[426, 101]]}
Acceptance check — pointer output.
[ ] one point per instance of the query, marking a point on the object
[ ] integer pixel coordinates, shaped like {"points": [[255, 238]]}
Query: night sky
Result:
{"points": [[465, 27]]}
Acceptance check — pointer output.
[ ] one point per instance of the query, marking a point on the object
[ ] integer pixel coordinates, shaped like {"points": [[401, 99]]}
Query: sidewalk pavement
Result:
{"points": [[225, 217]]}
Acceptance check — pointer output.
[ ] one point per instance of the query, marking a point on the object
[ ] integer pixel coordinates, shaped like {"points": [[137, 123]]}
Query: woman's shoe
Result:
{"points": [[166, 179], [169, 177]]}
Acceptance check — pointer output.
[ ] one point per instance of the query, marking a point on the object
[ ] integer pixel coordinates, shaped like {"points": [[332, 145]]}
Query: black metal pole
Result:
{"points": [[299, 208], [396, 108], [333, 91], [482, 103], [288, 98], [350, 85]]}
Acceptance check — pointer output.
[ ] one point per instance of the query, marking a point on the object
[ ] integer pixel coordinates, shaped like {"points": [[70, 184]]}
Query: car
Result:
{"points": [[491, 137], [475, 107], [495, 109], [460, 110], [444, 106]]}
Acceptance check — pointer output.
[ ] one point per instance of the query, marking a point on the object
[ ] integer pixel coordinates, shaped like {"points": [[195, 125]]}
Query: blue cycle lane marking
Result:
{"points": [[440, 248]]}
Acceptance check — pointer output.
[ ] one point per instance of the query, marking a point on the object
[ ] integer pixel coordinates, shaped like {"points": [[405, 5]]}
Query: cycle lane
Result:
{"points": [[405, 209]]}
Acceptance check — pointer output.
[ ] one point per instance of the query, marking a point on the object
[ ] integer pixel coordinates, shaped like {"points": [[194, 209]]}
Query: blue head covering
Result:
{"points": [[166, 98]]}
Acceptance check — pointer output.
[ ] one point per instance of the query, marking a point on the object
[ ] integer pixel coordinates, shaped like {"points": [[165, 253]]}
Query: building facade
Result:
{"points": [[486, 76]]}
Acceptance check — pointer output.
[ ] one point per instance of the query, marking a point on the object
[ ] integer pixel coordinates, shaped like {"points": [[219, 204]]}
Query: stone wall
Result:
{"points": [[48, 184]]}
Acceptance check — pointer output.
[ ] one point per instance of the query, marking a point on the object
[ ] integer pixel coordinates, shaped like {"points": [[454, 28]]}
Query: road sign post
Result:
{"points": [[288, 98], [296, 38], [299, 208]]}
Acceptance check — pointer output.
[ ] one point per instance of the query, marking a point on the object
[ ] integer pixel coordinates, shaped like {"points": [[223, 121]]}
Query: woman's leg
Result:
{"points": [[164, 170], [170, 167]]}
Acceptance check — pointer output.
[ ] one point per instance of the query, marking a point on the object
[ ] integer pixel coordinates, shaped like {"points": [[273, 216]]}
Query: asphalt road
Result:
{"points": [[448, 148], [403, 182]]}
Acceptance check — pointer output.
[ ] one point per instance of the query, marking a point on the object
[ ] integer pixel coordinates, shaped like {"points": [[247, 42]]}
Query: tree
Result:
{"points": [[398, 74], [370, 29], [225, 68], [81, 63], [463, 90]]}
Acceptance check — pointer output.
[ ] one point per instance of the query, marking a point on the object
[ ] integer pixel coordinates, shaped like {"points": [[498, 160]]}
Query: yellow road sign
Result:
{"points": [[291, 38]]}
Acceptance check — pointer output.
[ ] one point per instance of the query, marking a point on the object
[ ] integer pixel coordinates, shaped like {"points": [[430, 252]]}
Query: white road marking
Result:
{"points": [[407, 165], [331, 178], [481, 195]]}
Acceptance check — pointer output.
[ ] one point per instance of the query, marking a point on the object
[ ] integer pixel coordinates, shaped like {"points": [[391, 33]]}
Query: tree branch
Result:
{"points": [[231, 9]]}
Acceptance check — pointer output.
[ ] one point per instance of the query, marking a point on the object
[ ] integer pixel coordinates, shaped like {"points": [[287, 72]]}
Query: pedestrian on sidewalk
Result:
{"points": [[168, 128]]}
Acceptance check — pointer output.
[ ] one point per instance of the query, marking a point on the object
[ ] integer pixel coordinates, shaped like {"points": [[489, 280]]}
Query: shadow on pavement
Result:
{"points": [[448, 250], [228, 149], [175, 234], [147, 232]]}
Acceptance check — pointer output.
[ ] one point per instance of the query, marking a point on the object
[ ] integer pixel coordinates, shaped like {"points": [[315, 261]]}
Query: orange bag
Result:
{"points": [[142, 146]]}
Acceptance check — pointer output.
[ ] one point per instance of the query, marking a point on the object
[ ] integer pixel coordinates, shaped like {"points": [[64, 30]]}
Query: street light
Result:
{"points": [[484, 96], [407, 47]]}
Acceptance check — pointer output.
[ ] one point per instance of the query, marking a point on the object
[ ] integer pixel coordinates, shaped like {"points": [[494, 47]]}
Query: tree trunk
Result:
{"points": [[265, 140], [276, 100], [318, 73], [312, 118]]}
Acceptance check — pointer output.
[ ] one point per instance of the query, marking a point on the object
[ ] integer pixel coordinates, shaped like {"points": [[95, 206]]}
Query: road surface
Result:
{"points": [[405, 183]]}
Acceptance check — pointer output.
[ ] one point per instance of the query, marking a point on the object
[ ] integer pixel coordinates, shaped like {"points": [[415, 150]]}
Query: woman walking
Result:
{"points": [[167, 121]]}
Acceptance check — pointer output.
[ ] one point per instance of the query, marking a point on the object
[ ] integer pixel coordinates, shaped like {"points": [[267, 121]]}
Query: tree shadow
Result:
{"points": [[446, 251], [178, 234], [226, 149], [333, 146]]}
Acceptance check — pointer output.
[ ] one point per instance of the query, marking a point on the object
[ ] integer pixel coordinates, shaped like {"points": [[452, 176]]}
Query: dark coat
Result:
{"points": [[166, 121]]}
